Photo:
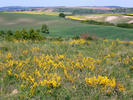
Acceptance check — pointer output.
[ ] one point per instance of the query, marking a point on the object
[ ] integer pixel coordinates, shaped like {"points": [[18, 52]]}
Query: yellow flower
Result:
{"points": [[9, 55], [9, 72], [131, 67], [16, 75], [25, 52], [49, 91], [121, 87]]}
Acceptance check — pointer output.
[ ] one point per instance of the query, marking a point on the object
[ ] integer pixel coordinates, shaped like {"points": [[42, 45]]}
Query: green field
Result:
{"points": [[61, 27]]}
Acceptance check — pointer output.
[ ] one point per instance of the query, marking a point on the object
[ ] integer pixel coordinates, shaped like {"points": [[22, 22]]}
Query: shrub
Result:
{"points": [[45, 29], [35, 36], [62, 15], [9, 37], [21, 35], [125, 25], [38, 30], [76, 37], [25, 34], [18, 35], [99, 23], [31, 31], [2, 33], [59, 39], [9, 32]]}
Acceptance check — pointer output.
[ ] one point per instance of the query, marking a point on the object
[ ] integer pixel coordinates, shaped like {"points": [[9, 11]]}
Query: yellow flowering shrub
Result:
{"points": [[104, 81]]}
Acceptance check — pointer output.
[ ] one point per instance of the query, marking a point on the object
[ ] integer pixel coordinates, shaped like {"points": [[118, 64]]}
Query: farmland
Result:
{"points": [[111, 18], [60, 27]]}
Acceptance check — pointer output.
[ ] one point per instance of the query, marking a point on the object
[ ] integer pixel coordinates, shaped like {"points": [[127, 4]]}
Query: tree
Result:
{"points": [[62, 15], [45, 29]]}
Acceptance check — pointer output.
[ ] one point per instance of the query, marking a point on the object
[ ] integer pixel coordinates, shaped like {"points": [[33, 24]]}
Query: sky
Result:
{"points": [[49, 3]]}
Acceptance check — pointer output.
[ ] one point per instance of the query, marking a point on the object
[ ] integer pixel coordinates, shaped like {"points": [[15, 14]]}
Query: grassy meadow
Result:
{"points": [[60, 27], [66, 70]]}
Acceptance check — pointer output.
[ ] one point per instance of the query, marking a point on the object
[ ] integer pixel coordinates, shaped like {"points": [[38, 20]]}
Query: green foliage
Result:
{"points": [[44, 29], [31, 31], [38, 30], [35, 36], [21, 35], [9, 32], [125, 25], [2, 33], [25, 34], [62, 15], [76, 37], [99, 23], [18, 34]]}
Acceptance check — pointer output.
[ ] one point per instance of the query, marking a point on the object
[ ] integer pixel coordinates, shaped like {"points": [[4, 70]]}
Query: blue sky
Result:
{"points": [[46, 3]]}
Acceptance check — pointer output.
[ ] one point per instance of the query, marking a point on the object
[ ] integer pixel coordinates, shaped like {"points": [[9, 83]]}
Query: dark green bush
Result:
{"points": [[76, 37], [99, 23], [44, 29], [2, 33], [62, 15], [36, 36], [9, 32], [25, 34], [18, 35], [125, 25], [21, 35]]}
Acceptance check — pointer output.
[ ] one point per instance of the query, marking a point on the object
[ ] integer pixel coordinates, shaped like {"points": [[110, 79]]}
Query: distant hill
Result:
{"points": [[13, 8], [72, 10], [114, 6]]}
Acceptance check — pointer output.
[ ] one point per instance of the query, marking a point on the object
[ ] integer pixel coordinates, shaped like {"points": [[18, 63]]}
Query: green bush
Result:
{"points": [[99, 23], [21, 35], [38, 30], [44, 29], [25, 34], [2, 33], [62, 15], [18, 35], [76, 37], [35, 36], [125, 25], [9, 32]]}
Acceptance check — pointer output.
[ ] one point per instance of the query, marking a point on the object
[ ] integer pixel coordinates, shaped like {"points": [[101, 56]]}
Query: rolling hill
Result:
{"points": [[60, 27]]}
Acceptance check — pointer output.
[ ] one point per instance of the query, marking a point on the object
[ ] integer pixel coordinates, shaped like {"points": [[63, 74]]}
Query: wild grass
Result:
{"points": [[66, 69]]}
